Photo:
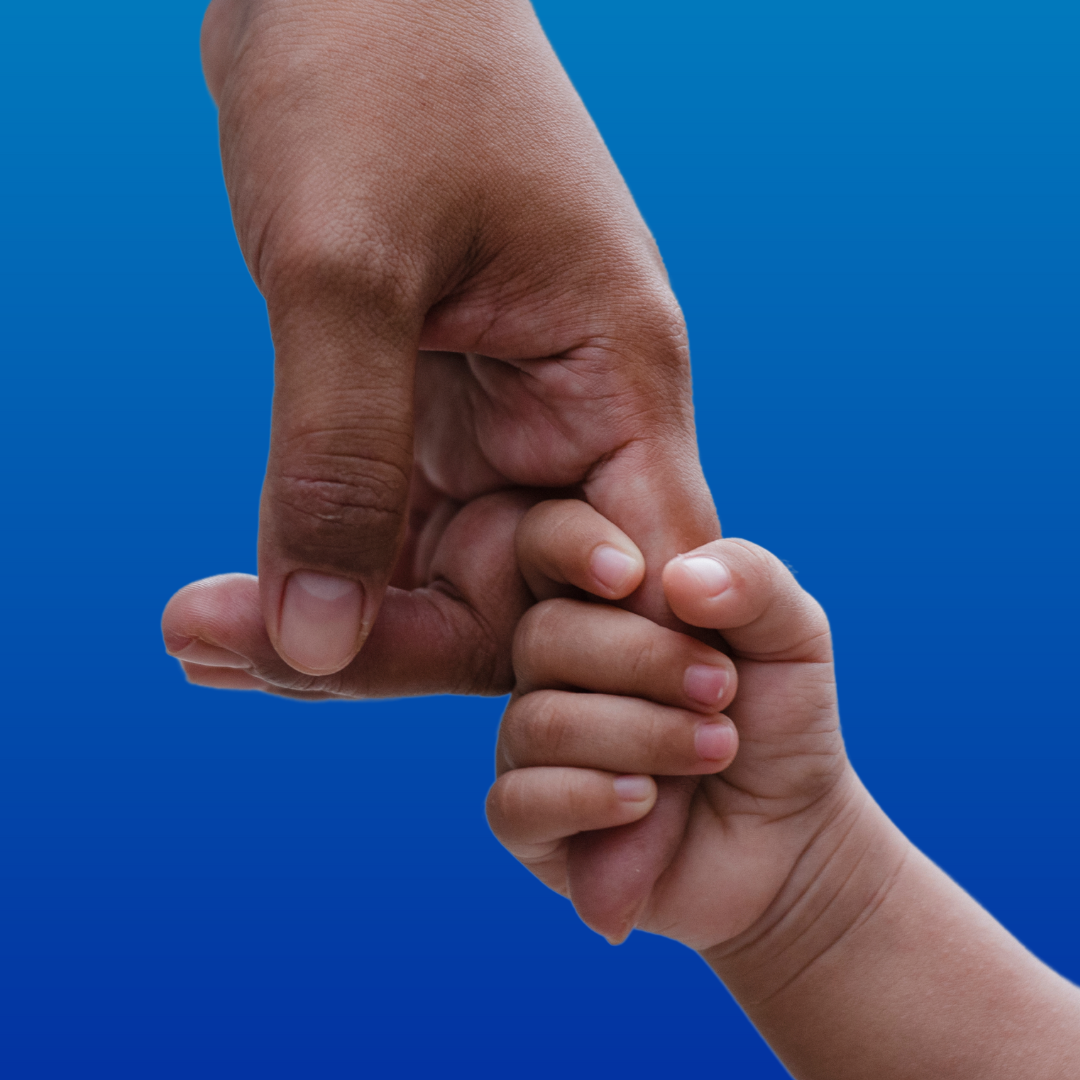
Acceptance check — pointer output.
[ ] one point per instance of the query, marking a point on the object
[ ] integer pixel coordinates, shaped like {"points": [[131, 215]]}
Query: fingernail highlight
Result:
{"points": [[713, 576], [611, 567], [714, 742], [705, 683], [320, 621], [633, 788], [200, 652]]}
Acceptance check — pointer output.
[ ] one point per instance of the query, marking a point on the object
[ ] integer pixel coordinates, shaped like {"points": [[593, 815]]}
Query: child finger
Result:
{"points": [[571, 643], [566, 542], [747, 593], [531, 807], [616, 734]]}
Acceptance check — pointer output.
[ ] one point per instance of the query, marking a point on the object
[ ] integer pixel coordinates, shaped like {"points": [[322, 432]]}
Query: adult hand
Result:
{"points": [[463, 584], [416, 179]]}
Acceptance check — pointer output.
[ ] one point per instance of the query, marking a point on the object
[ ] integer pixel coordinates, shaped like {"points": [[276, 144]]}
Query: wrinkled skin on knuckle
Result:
{"points": [[330, 501], [284, 680], [640, 386], [653, 363], [491, 671], [342, 261], [587, 372]]}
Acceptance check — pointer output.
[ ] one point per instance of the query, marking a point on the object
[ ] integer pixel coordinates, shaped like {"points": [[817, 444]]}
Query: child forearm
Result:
{"points": [[854, 955], [874, 964]]}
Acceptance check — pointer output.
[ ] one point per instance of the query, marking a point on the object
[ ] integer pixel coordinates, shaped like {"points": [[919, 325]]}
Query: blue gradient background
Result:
{"points": [[869, 212]]}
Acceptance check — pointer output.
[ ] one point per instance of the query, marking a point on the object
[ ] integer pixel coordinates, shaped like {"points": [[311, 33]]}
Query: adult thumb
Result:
{"points": [[335, 497]]}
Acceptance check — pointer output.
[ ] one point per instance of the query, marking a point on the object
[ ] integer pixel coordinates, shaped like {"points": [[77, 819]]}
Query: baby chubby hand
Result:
{"points": [[747, 717]]}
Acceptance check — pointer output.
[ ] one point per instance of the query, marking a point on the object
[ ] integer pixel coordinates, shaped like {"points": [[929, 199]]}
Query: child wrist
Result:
{"points": [[836, 884]]}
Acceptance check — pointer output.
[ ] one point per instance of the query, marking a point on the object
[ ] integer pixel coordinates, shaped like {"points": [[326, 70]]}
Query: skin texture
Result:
{"points": [[463, 300], [462, 295], [853, 954]]}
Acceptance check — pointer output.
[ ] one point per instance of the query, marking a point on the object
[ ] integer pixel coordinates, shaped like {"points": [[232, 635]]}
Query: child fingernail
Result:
{"points": [[711, 574], [705, 683], [714, 742], [612, 568], [633, 788]]}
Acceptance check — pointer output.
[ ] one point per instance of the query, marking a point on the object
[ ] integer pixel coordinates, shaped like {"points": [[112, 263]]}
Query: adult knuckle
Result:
{"points": [[491, 671], [485, 648], [334, 260], [544, 516], [542, 529], [329, 496]]}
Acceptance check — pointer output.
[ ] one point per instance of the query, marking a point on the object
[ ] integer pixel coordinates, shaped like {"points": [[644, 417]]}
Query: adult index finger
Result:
{"points": [[566, 542]]}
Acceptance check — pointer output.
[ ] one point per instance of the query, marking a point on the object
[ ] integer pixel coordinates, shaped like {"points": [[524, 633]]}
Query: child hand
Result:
{"points": [[852, 954], [571, 763]]}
